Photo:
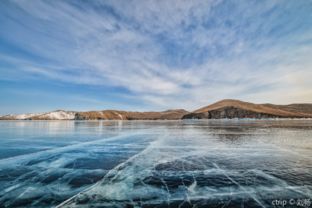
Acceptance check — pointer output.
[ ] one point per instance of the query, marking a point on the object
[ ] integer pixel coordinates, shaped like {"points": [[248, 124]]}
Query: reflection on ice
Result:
{"points": [[166, 164]]}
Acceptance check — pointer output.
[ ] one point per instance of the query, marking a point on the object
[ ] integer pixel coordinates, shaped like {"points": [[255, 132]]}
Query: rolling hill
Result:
{"points": [[100, 115], [239, 109], [223, 109], [130, 115]]}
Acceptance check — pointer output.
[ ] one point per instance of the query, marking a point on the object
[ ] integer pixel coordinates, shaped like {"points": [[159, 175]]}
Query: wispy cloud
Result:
{"points": [[165, 54]]}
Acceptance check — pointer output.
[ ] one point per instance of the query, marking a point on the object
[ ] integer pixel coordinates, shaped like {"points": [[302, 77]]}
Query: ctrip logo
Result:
{"points": [[306, 203]]}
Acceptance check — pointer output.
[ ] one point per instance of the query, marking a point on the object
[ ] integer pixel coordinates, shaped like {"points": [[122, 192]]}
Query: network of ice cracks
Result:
{"points": [[47, 178], [161, 168], [176, 170]]}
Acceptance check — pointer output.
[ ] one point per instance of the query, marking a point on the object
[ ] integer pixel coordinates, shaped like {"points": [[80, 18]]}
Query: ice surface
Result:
{"points": [[162, 164]]}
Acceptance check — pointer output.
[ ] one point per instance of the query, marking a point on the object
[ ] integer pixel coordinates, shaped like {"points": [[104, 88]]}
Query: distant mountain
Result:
{"points": [[238, 109], [54, 115], [100, 115], [129, 115], [222, 109]]}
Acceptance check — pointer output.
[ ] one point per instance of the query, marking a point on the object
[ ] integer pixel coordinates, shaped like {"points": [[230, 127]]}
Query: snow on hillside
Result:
{"points": [[25, 116], [58, 115], [54, 115]]}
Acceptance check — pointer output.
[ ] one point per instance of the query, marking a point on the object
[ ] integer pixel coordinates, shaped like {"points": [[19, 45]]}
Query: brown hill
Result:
{"points": [[128, 115], [296, 108], [100, 115], [238, 109], [222, 109]]}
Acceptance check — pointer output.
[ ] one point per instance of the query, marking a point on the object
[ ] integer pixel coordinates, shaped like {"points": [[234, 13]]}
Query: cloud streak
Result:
{"points": [[165, 54]]}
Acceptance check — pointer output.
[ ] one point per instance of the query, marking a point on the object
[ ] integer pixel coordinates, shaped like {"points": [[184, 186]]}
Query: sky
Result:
{"points": [[152, 55]]}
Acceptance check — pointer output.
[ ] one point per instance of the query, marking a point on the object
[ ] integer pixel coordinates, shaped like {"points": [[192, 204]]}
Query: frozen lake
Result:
{"points": [[190, 163]]}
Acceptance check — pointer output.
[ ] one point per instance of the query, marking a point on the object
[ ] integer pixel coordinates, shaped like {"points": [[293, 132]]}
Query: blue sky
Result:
{"points": [[152, 55]]}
